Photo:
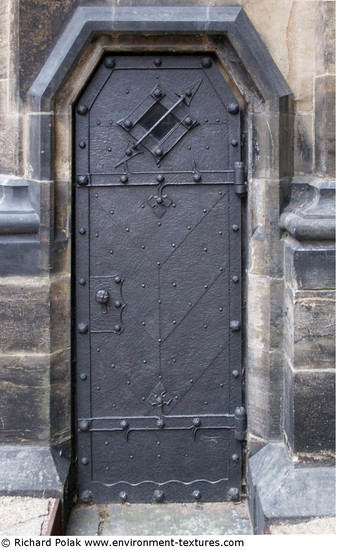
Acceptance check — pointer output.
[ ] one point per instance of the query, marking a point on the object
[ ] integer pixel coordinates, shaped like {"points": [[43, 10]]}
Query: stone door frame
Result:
{"points": [[265, 98]]}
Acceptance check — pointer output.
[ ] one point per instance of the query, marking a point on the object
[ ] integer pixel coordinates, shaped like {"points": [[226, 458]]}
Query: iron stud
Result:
{"points": [[83, 376], [86, 496], [157, 93], [157, 62], [188, 93], [109, 62], [206, 62], [233, 494], [82, 282], [197, 177], [233, 108], [188, 121], [123, 496], [235, 279], [196, 495], [235, 458], [235, 373], [124, 178], [160, 423], [82, 328], [82, 144], [160, 200], [82, 180], [83, 231], [128, 123], [85, 461], [83, 425], [196, 422], [82, 109], [235, 326], [234, 143], [158, 495], [160, 178], [235, 228], [117, 279], [118, 304], [124, 424], [128, 152], [158, 152], [117, 328]]}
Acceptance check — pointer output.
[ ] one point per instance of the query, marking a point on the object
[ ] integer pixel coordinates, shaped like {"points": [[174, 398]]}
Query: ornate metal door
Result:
{"points": [[158, 282]]}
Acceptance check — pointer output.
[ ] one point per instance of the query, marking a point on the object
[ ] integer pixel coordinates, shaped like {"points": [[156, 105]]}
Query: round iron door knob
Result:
{"points": [[86, 496], [123, 496], [84, 425], [117, 279], [233, 108], [235, 326], [206, 62], [158, 496], [109, 62], [158, 153], [128, 123], [117, 328], [233, 494], [160, 424], [82, 328], [124, 179], [196, 495], [82, 109], [118, 304], [102, 296], [82, 180]]}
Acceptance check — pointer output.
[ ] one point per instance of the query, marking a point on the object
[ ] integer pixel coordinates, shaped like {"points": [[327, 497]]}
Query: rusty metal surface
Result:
{"points": [[158, 282]]}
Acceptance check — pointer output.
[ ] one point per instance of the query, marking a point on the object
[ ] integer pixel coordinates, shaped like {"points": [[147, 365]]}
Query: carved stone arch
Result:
{"points": [[252, 74]]}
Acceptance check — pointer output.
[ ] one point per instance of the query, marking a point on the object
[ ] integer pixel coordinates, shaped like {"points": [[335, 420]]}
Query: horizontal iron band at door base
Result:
{"points": [[121, 180]]}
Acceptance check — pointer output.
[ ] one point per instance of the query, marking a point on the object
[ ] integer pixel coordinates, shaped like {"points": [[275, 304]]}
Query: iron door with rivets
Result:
{"points": [[158, 282]]}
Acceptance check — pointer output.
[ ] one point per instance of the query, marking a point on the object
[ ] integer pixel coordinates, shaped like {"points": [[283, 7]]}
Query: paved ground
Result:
{"points": [[24, 516], [161, 519]]}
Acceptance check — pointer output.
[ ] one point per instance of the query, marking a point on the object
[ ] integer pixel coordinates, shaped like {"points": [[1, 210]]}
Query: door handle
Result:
{"points": [[102, 297]]}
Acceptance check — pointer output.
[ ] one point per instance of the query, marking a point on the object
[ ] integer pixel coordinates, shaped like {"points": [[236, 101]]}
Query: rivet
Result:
{"points": [[82, 144], [82, 180], [174, 284], [127, 229], [112, 212], [157, 93], [158, 495], [234, 143], [196, 495], [84, 425], [143, 285], [96, 235], [124, 424], [221, 385], [174, 322], [235, 326], [143, 398], [82, 282], [157, 61], [235, 279], [83, 376], [221, 268], [158, 456], [235, 228], [160, 178], [98, 388], [143, 323], [142, 205], [84, 461], [107, 469], [86, 496], [158, 263], [206, 62], [160, 200], [124, 179], [112, 365], [98, 350], [205, 286], [111, 122], [117, 328], [160, 423], [127, 123], [176, 397], [204, 211], [82, 328], [159, 301], [111, 251], [218, 119], [159, 340], [191, 381], [220, 308], [188, 93], [205, 326], [118, 304], [123, 496], [109, 62], [174, 205], [235, 373], [190, 304], [158, 152], [143, 246], [233, 493], [144, 361], [117, 279], [197, 177], [173, 244], [126, 91], [128, 152], [189, 147], [220, 193], [206, 402], [96, 195], [233, 108], [128, 382], [196, 422], [174, 360], [220, 232], [235, 458], [189, 227], [205, 249], [207, 147], [98, 122], [82, 109], [188, 121]]}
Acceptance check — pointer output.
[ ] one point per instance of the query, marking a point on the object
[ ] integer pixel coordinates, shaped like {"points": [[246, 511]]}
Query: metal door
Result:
{"points": [[158, 282]]}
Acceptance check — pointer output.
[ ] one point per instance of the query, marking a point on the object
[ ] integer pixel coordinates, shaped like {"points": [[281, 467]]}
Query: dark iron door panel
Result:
{"points": [[158, 282]]}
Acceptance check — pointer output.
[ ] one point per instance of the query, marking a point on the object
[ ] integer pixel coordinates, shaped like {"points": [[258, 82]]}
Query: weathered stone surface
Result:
{"points": [[9, 143], [265, 161], [24, 380], [24, 307], [303, 150], [264, 392], [325, 61], [60, 311], [4, 46], [279, 492], [325, 125], [60, 396], [16, 512], [310, 328], [318, 526], [309, 266]]}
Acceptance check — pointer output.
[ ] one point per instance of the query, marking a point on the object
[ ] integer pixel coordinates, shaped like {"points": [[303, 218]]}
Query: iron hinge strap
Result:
{"points": [[240, 184]]}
